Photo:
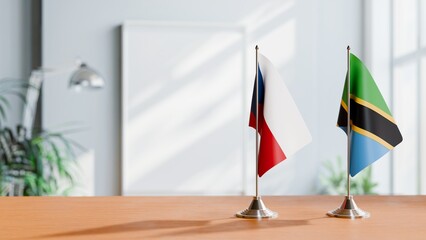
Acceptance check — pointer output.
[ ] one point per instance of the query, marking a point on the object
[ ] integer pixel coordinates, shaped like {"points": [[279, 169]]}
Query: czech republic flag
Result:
{"points": [[280, 125]]}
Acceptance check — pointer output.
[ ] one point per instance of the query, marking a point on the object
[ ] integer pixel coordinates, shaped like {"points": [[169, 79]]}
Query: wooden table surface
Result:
{"points": [[301, 217]]}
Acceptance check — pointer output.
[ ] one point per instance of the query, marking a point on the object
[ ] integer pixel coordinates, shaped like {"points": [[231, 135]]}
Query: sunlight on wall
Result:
{"points": [[202, 54], [266, 13], [188, 112]]}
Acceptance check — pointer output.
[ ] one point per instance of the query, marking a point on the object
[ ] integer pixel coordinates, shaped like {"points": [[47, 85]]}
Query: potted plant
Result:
{"points": [[33, 166]]}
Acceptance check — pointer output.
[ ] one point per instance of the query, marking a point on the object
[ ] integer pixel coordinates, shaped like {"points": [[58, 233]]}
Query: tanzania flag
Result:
{"points": [[374, 131]]}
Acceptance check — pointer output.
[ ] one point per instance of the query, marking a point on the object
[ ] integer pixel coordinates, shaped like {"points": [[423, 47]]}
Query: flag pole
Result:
{"points": [[348, 182], [348, 209], [257, 208], [257, 121]]}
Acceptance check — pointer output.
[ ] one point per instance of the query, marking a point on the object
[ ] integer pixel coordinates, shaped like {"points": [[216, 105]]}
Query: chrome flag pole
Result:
{"points": [[257, 121], [257, 208], [348, 209]]}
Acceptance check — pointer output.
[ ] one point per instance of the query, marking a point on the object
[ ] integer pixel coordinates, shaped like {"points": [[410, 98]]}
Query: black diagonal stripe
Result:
{"points": [[369, 120]]}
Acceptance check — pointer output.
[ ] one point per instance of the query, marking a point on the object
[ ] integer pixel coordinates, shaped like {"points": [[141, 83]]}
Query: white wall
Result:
{"points": [[306, 40], [15, 47], [340, 24], [400, 77]]}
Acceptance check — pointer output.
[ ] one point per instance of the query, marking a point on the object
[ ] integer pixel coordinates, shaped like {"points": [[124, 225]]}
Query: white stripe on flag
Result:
{"points": [[280, 111]]}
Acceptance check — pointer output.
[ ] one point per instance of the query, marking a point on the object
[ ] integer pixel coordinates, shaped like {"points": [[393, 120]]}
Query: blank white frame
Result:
{"points": [[125, 93]]}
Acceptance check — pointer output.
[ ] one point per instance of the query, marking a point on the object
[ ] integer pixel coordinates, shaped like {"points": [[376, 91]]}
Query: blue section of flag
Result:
{"points": [[364, 151], [261, 96]]}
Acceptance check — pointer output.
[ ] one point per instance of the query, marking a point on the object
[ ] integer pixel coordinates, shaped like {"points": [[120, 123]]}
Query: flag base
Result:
{"points": [[348, 209], [257, 209]]}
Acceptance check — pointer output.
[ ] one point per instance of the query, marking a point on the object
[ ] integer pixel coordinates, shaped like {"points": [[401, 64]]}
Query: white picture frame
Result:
{"points": [[169, 148]]}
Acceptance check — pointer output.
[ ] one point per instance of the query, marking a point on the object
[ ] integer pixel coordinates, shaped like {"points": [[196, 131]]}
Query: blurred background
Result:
{"points": [[172, 117]]}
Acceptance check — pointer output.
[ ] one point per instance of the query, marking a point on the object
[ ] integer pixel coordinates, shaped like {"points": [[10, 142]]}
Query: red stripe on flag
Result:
{"points": [[252, 121], [270, 152]]}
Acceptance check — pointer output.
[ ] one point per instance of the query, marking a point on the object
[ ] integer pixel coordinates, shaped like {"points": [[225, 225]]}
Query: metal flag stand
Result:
{"points": [[348, 209], [257, 208]]}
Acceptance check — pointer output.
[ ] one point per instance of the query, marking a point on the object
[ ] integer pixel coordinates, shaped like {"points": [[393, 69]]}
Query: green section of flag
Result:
{"points": [[363, 85]]}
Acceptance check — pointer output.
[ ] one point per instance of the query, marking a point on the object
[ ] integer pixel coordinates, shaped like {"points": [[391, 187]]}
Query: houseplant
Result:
{"points": [[334, 178], [32, 166]]}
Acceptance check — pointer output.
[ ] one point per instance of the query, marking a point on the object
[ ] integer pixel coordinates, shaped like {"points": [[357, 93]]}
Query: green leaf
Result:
{"points": [[2, 113], [30, 182], [4, 101]]}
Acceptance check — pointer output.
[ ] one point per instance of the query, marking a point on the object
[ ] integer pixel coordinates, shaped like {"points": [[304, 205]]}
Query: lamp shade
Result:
{"points": [[86, 77]]}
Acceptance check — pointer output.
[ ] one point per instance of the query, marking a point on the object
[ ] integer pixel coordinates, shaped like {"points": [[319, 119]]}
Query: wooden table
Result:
{"points": [[301, 217]]}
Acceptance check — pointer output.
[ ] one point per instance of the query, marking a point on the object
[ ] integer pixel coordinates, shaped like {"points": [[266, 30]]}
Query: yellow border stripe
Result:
{"points": [[344, 106], [372, 136], [372, 107]]}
